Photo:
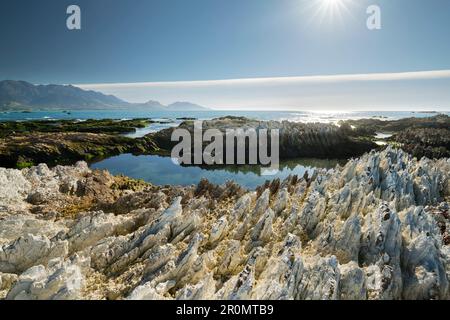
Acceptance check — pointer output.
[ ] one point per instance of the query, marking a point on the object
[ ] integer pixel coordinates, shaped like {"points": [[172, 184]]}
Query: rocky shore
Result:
{"points": [[28, 149], [425, 142], [27, 143], [104, 126], [422, 137], [376, 228], [371, 126], [24, 144]]}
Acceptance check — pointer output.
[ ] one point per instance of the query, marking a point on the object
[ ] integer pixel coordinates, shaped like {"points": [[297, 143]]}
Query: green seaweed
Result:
{"points": [[24, 164]]}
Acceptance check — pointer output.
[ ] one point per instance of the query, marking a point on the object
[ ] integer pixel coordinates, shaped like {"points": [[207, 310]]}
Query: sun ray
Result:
{"points": [[328, 11]]}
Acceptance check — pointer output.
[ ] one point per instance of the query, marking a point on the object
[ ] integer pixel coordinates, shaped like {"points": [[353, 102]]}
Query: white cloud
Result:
{"points": [[419, 75], [400, 90]]}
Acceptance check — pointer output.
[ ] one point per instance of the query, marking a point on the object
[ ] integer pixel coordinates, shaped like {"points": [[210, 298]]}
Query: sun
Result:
{"points": [[331, 2], [330, 10]]}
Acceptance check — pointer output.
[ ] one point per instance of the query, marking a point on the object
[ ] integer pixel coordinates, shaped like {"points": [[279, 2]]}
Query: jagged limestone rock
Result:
{"points": [[376, 228], [60, 280], [30, 250]]}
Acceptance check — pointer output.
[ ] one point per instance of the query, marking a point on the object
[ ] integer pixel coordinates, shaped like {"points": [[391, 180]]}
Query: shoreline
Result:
{"points": [[26, 143]]}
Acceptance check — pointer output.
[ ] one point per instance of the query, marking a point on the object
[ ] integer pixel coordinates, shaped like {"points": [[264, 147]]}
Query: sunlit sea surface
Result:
{"points": [[297, 116]]}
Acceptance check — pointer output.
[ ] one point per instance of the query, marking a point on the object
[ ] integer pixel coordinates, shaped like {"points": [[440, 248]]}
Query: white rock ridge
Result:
{"points": [[377, 228]]}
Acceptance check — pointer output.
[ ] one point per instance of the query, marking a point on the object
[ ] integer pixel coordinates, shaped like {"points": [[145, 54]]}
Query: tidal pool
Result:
{"points": [[162, 171]]}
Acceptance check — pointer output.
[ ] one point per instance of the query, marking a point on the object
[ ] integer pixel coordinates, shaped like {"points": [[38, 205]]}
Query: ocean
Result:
{"points": [[296, 116]]}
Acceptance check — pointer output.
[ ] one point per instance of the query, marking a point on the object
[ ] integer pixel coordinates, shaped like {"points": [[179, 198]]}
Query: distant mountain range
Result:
{"points": [[24, 96], [177, 106]]}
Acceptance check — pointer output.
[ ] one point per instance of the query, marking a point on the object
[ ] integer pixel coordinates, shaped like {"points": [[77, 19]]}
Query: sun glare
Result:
{"points": [[330, 10], [331, 2]]}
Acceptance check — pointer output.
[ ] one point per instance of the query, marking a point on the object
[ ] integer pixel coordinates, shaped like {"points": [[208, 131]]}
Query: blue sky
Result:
{"points": [[178, 40]]}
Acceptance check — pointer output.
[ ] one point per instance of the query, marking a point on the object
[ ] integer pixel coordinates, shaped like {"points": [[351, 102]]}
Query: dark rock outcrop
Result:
{"points": [[297, 140], [23, 144], [371, 126], [66, 148], [107, 126], [425, 142]]}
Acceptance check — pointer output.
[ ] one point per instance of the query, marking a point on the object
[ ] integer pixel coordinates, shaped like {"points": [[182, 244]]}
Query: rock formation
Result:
{"points": [[373, 125], [297, 140], [422, 137], [21, 151], [376, 228], [425, 142], [24, 144]]}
